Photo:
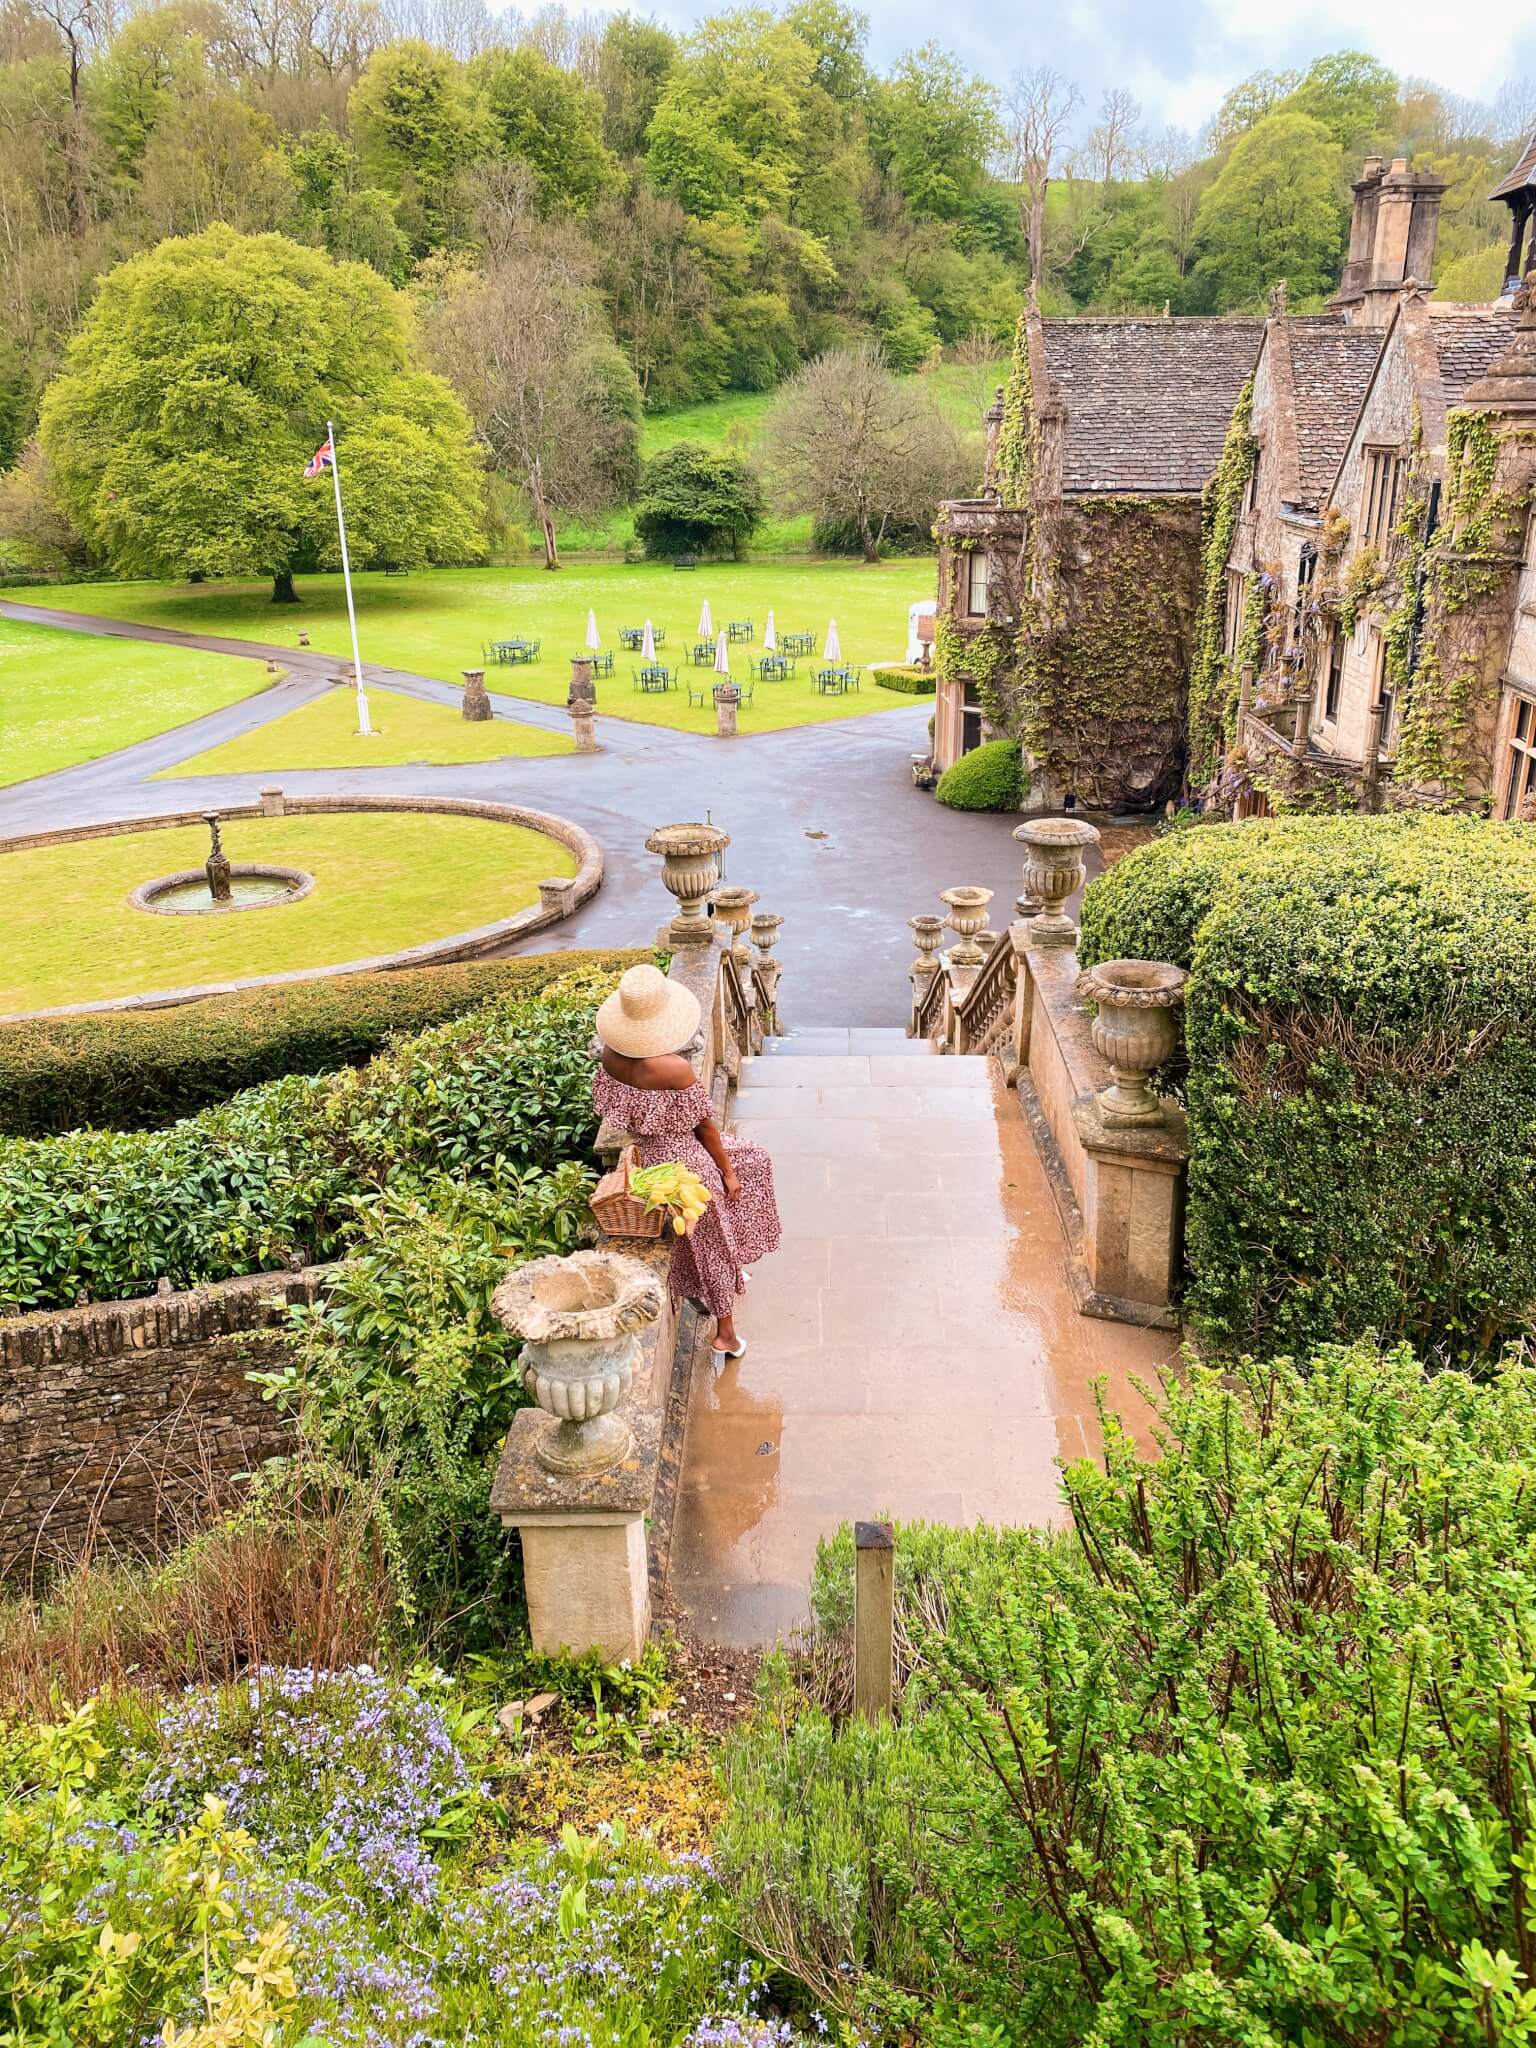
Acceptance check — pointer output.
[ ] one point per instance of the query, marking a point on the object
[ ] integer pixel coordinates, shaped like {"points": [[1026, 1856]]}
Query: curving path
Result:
{"points": [[823, 818]]}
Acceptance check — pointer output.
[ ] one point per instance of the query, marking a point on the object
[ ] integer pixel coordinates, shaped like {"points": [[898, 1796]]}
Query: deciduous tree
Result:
{"points": [[551, 121], [1273, 211], [197, 389], [853, 445]]}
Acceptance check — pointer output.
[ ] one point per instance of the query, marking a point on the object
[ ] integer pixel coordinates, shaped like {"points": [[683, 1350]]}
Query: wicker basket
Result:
{"points": [[618, 1212]]}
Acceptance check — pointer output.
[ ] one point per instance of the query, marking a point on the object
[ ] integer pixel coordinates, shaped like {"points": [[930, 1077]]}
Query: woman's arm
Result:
{"points": [[708, 1135]]}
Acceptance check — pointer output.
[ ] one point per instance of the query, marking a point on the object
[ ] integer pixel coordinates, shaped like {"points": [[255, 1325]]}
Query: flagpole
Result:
{"points": [[363, 725]]}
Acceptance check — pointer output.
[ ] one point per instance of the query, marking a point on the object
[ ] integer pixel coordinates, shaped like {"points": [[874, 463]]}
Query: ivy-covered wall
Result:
{"points": [[1213, 673]]}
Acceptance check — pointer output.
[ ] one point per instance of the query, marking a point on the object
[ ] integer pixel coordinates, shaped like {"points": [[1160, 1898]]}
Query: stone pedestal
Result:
{"points": [[477, 705], [727, 701], [272, 802], [581, 703], [558, 895], [586, 1582]]}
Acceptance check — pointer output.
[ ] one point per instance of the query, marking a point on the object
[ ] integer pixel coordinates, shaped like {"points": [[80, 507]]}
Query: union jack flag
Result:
{"points": [[324, 458]]}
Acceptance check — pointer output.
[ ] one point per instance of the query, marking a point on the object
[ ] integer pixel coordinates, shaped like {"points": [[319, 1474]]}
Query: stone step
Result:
{"points": [[822, 1041]]}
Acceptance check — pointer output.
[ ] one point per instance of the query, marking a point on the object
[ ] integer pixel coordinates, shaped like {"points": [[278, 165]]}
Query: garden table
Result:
{"points": [[798, 643], [505, 650], [771, 668], [602, 664], [832, 682], [631, 636], [739, 629], [702, 653], [653, 678]]}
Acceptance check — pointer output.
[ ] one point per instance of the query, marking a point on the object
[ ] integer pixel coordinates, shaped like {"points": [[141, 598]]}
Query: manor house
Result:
{"points": [[1351, 616]]}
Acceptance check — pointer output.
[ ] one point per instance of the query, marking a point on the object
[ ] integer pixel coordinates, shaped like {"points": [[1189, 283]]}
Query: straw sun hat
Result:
{"points": [[647, 1015]]}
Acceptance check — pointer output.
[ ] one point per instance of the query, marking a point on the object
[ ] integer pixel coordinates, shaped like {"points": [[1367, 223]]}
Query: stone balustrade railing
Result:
{"points": [[585, 1477], [1114, 1151]]}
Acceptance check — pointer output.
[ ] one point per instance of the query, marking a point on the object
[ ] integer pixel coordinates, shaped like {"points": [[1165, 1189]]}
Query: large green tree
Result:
{"points": [[934, 128], [417, 127], [198, 387], [725, 137], [553, 122], [1273, 211]]}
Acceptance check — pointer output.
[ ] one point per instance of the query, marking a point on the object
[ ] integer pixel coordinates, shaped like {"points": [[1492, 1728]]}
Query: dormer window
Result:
{"points": [[1384, 468]]}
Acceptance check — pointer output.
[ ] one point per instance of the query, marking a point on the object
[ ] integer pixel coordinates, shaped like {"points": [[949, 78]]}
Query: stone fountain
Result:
{"points": [[221, 884]]}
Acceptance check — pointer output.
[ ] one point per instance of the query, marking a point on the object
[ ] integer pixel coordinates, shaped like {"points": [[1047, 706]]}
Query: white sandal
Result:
{"points": [[720, 1356]]}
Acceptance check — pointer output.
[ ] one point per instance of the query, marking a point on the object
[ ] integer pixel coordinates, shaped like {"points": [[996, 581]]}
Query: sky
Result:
{"points": [[1179, 57]]}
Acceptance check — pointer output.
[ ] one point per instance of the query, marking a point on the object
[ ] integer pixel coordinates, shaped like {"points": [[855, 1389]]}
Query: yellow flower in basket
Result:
{"points": [[677, 1189]]}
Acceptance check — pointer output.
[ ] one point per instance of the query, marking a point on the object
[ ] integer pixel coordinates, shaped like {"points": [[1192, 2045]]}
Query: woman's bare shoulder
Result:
{"points": [[670, 1070]]}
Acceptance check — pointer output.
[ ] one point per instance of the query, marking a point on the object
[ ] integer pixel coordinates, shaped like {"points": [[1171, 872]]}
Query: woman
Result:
{"points": [[646, 1087]]}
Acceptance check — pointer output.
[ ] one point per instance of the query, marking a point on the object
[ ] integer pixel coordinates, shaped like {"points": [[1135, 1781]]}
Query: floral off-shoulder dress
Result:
{"points": [[707, 1265]]}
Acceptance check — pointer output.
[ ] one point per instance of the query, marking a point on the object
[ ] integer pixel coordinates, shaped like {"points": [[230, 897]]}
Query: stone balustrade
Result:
{"points": [[1114, 1152]]}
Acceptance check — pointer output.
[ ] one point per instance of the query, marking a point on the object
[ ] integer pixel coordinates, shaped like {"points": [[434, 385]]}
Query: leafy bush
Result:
{"points": [[990, 777], [909, 680], [132, 1070], [698, 501], [899, 537], [270, 1177], [1362, 1071], [1247, 1761]]}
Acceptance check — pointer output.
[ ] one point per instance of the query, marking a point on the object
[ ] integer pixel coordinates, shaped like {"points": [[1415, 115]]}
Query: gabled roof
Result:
{"points": [[1147, 402], [1520, 177], [1331, 366], [1467, 341]]}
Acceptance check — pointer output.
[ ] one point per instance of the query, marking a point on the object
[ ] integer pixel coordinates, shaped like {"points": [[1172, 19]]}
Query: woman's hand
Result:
{"points": [[732, 1185]]}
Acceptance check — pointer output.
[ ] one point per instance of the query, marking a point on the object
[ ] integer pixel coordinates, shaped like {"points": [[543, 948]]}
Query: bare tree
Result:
{"points": [[1514, 109], [85, 28], [1036, 109], [523, 344], [852, 443], [1172, 161], [1113, 139], [983, 363]]}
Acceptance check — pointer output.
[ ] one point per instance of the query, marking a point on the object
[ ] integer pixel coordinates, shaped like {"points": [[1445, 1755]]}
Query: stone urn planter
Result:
{"points": [[580, 1320], [766, 926], [733, 909], [1134, 1029], [929, 934], [1053, 870], [967, 916], [690, 868]]}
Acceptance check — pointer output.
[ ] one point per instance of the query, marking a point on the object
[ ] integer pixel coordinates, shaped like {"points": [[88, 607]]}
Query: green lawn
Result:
{"points": [[436, 623], [65, 698], [383, 881], [323, 734]]}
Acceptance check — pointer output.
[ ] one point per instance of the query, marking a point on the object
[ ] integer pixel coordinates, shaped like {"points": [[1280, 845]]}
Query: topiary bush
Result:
{"points": [[273, 1176], [1246, 1760], [1361, 1085], [990, 777], [698, 501], [906, 678], [134, 1069]]}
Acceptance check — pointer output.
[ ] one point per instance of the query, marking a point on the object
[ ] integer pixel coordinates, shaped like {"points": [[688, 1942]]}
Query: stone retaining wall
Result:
{"points": [[128, 1418]]}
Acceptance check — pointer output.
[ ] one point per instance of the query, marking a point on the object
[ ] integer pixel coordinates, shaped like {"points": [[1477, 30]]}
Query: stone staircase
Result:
{"points": [[913, 1349]]}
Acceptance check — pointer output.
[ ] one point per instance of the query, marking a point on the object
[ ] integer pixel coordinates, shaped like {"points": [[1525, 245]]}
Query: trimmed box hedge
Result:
{"points": [[273, 1176], [1360, 1029], [139, 1069], [991, 777], [907, 680]]}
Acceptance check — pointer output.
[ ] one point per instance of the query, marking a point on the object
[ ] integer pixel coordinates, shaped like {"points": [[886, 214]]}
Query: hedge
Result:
{"points": [[1361, 1047], [273, 1177], [990, 777], [909, 680], [134, 1070]]}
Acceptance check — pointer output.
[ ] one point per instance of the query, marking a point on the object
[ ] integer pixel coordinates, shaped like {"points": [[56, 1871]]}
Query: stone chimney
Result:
{"points": [[1392, 234]]}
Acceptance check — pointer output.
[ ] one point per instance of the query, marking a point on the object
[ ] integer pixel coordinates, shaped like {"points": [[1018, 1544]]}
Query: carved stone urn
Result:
{"points": [[733, 909], [580, 1320], [690, 868], [1134, 1029], [766, 926], [1053, 869], [967, 916], [929, 934]]}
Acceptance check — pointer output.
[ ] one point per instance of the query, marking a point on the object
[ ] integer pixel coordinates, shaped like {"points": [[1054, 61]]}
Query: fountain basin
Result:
{"points": [[252, 886]]}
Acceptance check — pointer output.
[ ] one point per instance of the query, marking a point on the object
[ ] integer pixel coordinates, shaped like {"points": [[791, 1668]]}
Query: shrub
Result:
{"points": [[990, 777], [270, 1177], [898, 537], [698, 501], [132, 1070], [909, 680], [1362, 1071], [1247, 1761]]}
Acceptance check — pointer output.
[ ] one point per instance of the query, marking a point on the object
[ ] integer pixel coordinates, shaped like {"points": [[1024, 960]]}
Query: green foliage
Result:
{"points": [[1016, 434], [1243, 1763], [907, 679], [933, 130], [110, 1927], [416, 127], [132, 1070], [548, 119], [990, 777], [1273, 212], [696, 501], [1353, 95], [726, 135], [272, 1176], [1212, 692], [1357, 1023], [198, 387]]}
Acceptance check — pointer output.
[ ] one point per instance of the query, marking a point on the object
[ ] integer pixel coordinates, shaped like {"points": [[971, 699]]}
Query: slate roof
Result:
{"points": [[1522, 175], [1148, 401], [1331, 365], [1468, 339]]}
